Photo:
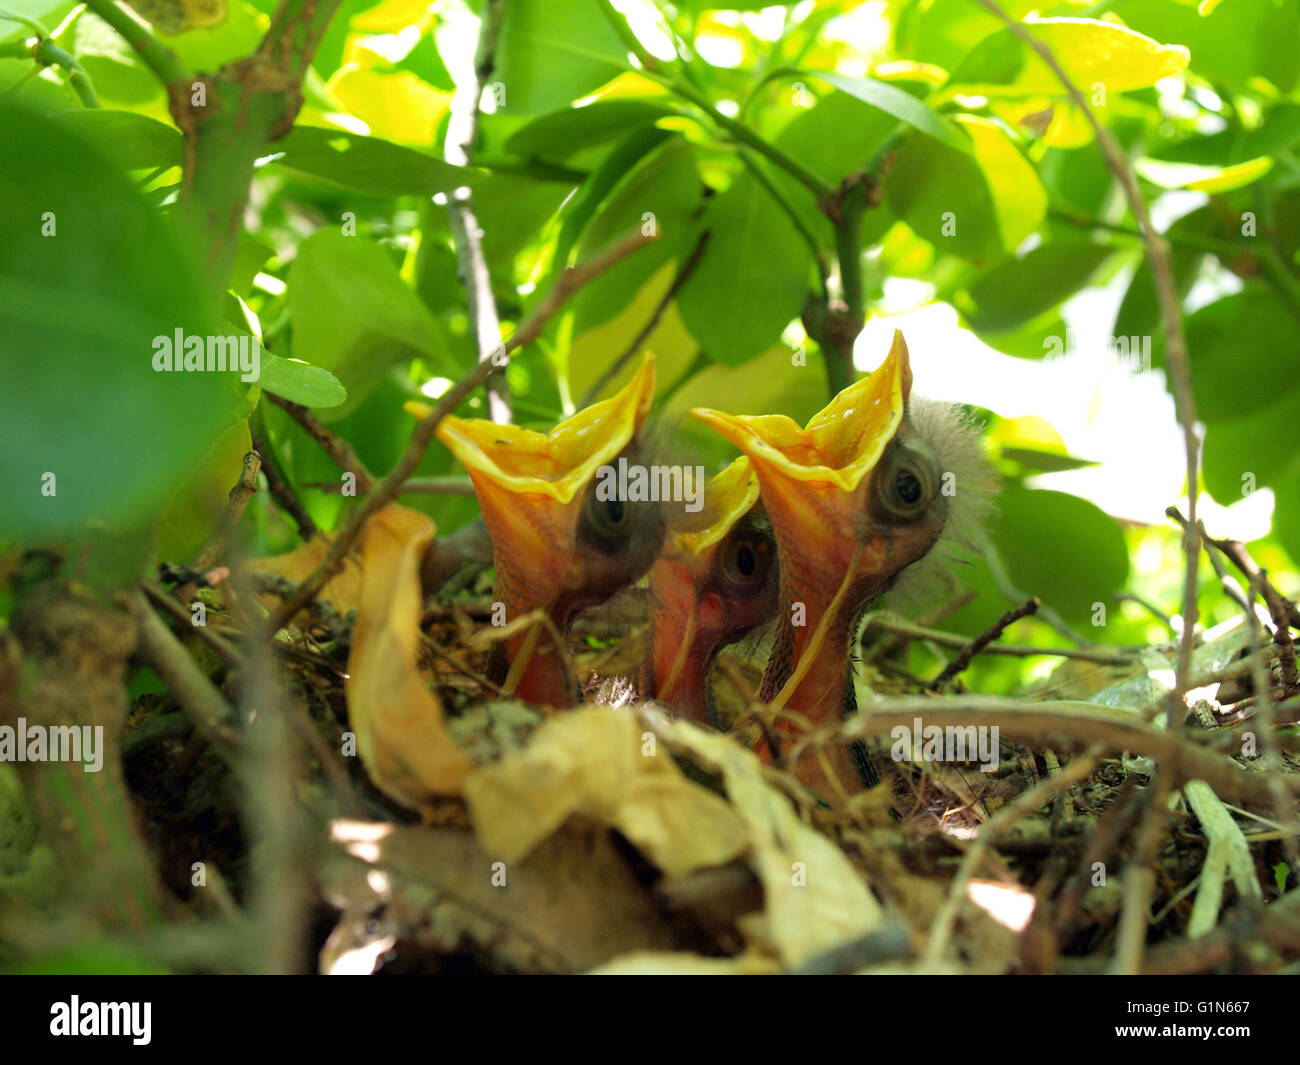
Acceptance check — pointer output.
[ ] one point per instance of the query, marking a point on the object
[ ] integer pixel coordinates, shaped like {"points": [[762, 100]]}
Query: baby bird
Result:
{"points": [[559, 545], [864, 491], [709, 588]]}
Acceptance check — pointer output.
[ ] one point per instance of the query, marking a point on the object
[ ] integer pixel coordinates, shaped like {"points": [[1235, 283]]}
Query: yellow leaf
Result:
{"points": [[593, 762], [401, 733], [397, 107], [1018, 195], [1211, 179]]}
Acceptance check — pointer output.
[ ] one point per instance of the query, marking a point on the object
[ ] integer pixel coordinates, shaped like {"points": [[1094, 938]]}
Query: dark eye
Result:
{"points": [[608, 517], [745, 561], [906, 483], [907, 487]]}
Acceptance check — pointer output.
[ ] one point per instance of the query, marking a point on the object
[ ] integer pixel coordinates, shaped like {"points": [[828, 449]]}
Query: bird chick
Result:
{"points": [[559, 544], [710, 587], [854, 498]]}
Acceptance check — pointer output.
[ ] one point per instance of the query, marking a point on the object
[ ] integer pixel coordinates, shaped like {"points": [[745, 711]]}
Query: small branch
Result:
{"points": [[683, 274], [1162, 272], [440, 486], [959, 664], [333, 445], [45, 52], [462, 131], [280, 489], [215, 545], [1139, 883], [156, 56], [196, 695], [906, 629], [1065, 723], [387, 489]]}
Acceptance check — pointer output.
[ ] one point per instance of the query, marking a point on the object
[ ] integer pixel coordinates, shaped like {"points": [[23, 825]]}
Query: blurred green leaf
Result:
{"points": [[753, 278], [561, 133], [80, 307], [1019, 289], [1063, 549], [354, 316], [374, 166], [553, 51]]}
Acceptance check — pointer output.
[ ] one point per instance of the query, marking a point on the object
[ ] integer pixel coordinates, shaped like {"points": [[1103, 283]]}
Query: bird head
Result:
{"points": [[855, 497], [715, 581], [561, 542]]}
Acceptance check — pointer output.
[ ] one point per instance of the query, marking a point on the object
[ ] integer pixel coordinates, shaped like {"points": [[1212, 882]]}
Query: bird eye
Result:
{"points": [[906, 484], [608, 517], [746, 561]]}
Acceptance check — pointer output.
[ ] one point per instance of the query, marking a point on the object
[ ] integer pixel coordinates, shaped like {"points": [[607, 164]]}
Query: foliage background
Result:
{"points": [[727, 129]]}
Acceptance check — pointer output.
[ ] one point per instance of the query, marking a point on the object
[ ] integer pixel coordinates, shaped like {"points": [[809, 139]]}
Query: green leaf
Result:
{"points": [[425, 62], [551, 52], [1063, 549], [300, 382], [79, 314], [1019, 289], [1090, 52], [753, 278], [665, 184], [976, 206], [353, 315], [1244, 353], [374, 166], [899, 104], [1247, 452], [1237, 44], [561, 133], [131, 141]]}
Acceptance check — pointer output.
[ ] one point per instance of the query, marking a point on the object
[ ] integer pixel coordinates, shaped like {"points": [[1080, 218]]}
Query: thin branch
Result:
{"points": [[215, 545], [1065, 723], [280, 489], [47, 53], [683, 274], [331, 443], [387, 489], [959, 664], [1162, 272], [156, 56], [440, 486], [1102, 656], [462, 131]]}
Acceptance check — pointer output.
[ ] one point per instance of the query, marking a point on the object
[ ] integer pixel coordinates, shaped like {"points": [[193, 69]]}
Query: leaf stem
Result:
{"points": [[157, 56]]}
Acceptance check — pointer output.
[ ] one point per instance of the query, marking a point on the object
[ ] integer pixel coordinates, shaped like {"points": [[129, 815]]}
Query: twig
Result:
{"points": [[157, 57], [1162, 272], [906, 629], [462, 131], [1023, 806], [331, 443], [958, 664], [215, 545], [43, 49], [387, 489], [683, 274], [1066, 723], [440, 486], [159, 598], [1139, 883], [280, 489], [196, 695]]}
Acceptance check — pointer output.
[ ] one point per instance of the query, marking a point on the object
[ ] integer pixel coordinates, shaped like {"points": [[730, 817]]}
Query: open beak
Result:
{"points": [[531, 486], [686, 614], [812, 478]]}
